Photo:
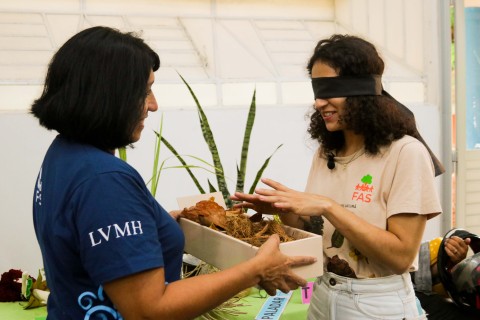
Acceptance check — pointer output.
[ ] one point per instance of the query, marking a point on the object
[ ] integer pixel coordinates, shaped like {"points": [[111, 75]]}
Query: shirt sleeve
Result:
{"points": [[413, 186], [116, 227]]}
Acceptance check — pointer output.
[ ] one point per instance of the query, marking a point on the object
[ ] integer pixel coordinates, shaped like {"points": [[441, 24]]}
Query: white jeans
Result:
{"points": [[340, 298]]}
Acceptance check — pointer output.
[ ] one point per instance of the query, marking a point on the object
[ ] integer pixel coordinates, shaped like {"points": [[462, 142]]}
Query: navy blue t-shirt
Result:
{"points": [[96, 221]]}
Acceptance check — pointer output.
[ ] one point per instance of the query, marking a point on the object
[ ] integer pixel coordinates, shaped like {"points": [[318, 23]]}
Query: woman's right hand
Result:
{"points": [[276, 267]]}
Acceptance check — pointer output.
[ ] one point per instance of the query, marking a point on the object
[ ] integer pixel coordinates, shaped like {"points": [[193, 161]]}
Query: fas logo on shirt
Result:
{"points": [[363, 190]]}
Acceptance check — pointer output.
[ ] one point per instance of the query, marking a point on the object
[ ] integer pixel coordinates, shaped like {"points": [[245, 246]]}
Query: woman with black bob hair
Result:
{"points": [[109, 249], [370, 189], [96, 98]]}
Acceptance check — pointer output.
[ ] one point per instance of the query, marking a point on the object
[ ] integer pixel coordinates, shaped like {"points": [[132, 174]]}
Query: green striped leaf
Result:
{"points": [[246, 143], [209, 139], [190, 173], [211, 187], [260, 171], [156, 156]]}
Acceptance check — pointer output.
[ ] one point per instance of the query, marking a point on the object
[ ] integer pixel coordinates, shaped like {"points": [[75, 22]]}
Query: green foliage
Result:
{"points": [[158, 166], [217, 163], [156, 156], [122, 153], [216, 168]]}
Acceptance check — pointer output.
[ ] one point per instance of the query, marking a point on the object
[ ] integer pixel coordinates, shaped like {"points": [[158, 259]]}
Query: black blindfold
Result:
{"points": [[347, 86]]}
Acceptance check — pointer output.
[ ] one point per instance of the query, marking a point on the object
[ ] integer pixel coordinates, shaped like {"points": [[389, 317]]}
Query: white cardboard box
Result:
{"points": [[223, 251]]}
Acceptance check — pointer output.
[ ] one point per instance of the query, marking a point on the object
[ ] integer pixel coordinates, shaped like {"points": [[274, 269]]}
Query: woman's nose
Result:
{"points": [[152, 103], [319, 103]]}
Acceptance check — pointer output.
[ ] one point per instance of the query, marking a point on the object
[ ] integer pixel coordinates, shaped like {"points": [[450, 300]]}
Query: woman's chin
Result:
{"points": [[333, 127]]}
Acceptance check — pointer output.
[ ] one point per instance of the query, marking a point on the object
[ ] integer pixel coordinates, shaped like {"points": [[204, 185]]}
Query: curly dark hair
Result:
{"points": [[95, 87], [377, 118]]}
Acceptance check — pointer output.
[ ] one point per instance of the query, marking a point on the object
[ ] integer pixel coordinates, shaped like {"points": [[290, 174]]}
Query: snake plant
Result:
{"points": [[217, 163]]}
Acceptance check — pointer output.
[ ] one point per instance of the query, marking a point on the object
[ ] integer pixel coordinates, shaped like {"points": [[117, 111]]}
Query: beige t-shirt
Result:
{"points": [[400, 179]]}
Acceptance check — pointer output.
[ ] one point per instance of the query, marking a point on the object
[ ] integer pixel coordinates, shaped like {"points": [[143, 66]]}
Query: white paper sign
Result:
{"points": [[273, 308]]}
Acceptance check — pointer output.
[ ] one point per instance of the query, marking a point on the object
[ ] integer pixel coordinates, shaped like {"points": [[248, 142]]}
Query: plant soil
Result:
{"points": [[252, 229]]}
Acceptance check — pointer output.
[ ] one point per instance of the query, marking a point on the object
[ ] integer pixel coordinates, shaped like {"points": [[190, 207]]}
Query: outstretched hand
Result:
{"points": [[281, 199], [252, 201], [278, 273]]}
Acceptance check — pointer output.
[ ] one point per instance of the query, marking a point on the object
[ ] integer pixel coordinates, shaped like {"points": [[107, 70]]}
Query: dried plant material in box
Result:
{"points": [[207, 227]]}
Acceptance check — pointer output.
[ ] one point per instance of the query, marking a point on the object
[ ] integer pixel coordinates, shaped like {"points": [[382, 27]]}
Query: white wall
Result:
{"points": [[23, 145]]}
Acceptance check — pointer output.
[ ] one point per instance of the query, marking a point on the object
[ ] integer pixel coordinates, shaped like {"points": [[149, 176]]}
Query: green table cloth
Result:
{"points": [[251, 305], [15, 311]]}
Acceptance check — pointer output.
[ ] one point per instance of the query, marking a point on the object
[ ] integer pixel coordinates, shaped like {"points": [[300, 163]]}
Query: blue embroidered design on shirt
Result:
{"points": [[86, 301]]}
